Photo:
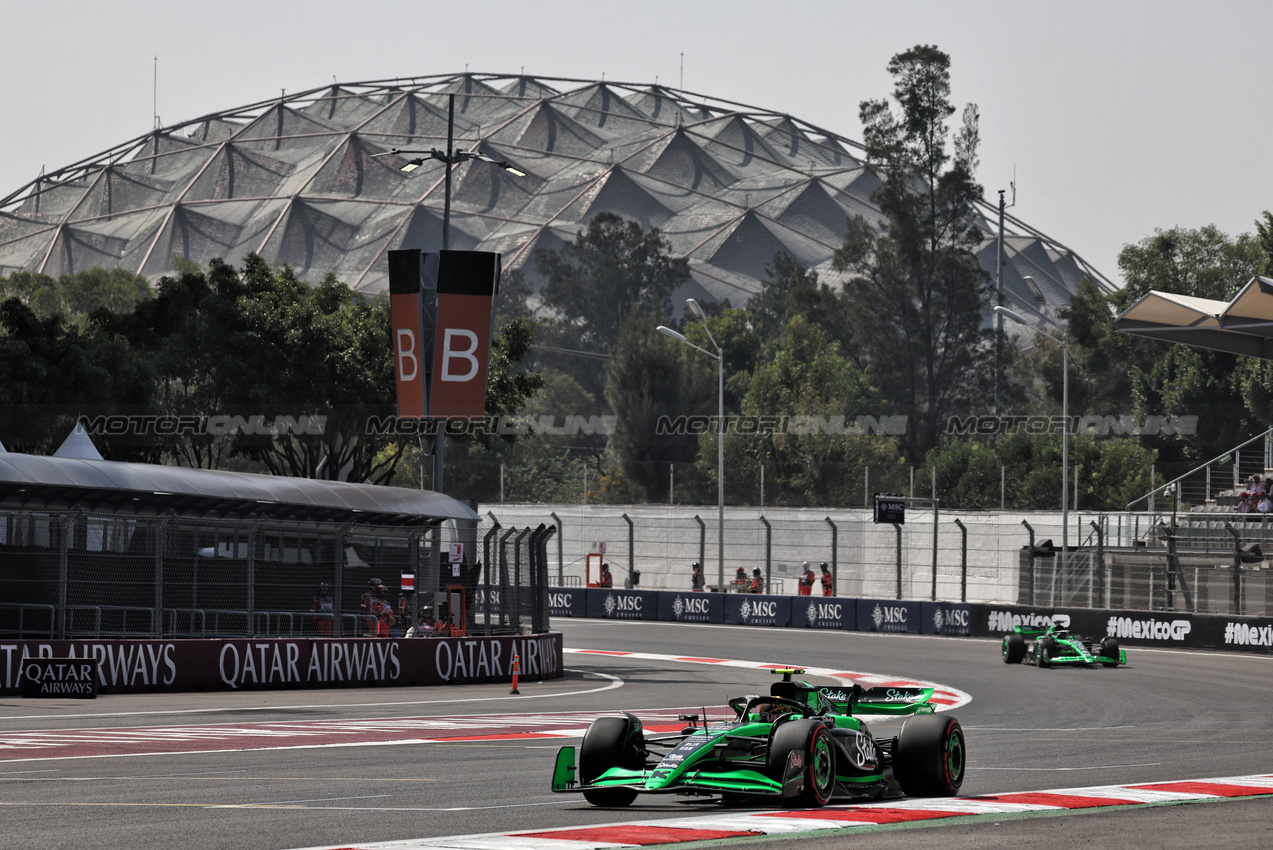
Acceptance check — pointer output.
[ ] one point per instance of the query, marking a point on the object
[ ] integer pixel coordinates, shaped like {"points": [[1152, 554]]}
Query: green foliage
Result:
{"points": [[972, 472], [650, 379], [54, 371], [613, 268], [75, 296], [1202, 262], [305, 368], [915, 285], [813, 457], [789, 290]]}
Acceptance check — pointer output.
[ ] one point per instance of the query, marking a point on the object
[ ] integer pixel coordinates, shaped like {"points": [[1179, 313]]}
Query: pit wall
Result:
{"points": [[952, 619], [151, 666]]}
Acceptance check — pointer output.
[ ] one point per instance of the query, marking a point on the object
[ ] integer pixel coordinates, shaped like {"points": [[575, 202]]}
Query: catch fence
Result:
{"points": [[83, 575]]}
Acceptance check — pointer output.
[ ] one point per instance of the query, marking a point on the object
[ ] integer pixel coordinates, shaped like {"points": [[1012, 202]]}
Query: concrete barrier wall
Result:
{"points": [[665, 542]]}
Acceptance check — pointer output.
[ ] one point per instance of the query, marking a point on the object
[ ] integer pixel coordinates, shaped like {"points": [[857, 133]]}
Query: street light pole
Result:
{"points": [[719, 357], [1065, 425], [449, 158]]}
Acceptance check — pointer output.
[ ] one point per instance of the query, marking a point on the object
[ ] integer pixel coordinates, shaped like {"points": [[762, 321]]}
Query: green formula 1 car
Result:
{"points": [[801, 745], [1054, 645]]}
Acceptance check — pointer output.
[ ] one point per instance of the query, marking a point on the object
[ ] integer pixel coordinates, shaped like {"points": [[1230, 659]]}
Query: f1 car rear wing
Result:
{"points": [[882, 700]]}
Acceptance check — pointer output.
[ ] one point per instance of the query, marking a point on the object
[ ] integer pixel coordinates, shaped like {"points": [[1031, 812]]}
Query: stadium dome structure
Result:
{"points": [[301, 180]]}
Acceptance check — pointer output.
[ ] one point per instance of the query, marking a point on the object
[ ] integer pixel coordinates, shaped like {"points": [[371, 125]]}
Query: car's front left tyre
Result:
{"points": [[1013, 649], [608, 743], [811, 739]]}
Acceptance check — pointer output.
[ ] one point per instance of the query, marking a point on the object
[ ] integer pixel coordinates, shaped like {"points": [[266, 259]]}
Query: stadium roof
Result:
{"points": [[1243, 325], [297, 180]]}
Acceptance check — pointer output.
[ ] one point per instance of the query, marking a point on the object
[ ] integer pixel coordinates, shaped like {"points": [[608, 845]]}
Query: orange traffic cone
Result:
{"points": [[517, 668]]}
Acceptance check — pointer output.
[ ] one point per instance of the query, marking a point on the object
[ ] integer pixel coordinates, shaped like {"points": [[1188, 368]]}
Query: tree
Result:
{"points": [[75, 296], [1264, 231], [55, 371], [612, 269], [917, 289], [649, 382], [811, 396], [789, 290]]}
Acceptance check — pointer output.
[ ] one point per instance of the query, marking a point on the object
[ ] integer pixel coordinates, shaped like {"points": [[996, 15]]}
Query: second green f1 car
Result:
{"points": [[1057, 646], [800, 744]]}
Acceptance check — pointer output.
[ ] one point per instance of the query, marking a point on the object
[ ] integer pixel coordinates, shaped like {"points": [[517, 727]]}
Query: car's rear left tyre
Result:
{"points": [[608, 743], [811, 739], [929, 758], [1109, 649], [1013, 649]]}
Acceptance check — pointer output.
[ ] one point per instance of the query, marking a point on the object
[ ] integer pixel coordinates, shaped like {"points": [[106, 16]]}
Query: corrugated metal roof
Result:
{"points": [[71, 481]]}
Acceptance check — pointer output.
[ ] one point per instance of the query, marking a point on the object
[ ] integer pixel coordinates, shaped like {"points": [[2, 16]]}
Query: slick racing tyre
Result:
{"points": [[1109, 648], [1013, 649], [928, 760], [811, 739], [1044, 651], [606, 745]]}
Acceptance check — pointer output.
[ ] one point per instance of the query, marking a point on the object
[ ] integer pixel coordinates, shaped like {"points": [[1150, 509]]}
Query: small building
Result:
{"points": [[103, 548]]}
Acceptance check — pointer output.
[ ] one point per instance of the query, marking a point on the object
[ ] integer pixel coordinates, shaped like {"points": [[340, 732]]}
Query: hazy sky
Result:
{"points": [[1116, 116]]}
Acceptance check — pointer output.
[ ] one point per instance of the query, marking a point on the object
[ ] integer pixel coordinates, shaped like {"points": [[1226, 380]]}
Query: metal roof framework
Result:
{"points": [[62, 483], [297, 180], [1243, 325]]}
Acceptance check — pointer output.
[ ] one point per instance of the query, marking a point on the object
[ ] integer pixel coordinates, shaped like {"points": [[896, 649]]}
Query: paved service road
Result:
{"points": [[289, 769]]}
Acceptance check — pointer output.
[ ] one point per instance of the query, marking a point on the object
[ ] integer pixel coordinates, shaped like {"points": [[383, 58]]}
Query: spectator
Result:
{"points": [[757, 582], [605, 579], [806, 580], [1265, 503], [828, 581], [382, 611], [368, 597], [323, 607], [696, 578]]}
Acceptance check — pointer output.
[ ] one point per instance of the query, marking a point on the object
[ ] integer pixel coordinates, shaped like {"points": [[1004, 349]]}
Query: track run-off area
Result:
{"points": [[1171, 750]]}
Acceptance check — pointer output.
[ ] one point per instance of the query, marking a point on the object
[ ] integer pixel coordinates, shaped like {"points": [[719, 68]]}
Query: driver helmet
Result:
{"points": [[770, 711]]}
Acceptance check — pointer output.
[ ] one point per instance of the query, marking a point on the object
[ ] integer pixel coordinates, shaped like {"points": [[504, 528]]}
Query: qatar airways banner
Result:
{"points": [[141, 666]]}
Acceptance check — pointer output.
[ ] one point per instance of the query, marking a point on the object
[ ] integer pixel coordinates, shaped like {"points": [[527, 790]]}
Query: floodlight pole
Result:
{"points": [[1065, 425], [439, 435], [719, 357], [448, 158]]}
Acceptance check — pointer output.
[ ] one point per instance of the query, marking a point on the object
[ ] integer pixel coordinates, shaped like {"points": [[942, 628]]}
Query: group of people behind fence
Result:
{"points": [[756, 584], [378, 615], [1257, 497]]}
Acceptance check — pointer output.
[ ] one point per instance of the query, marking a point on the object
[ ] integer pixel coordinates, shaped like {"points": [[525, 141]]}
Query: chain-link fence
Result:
{"points": [[81, 575], [1115, 560]]}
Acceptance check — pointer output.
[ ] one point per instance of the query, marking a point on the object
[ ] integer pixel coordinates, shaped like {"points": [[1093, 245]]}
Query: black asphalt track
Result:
{"points": [[1165, 716]]}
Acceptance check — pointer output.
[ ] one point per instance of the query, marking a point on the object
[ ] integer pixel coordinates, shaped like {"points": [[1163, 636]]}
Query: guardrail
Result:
{"points": [[21, 611]]}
